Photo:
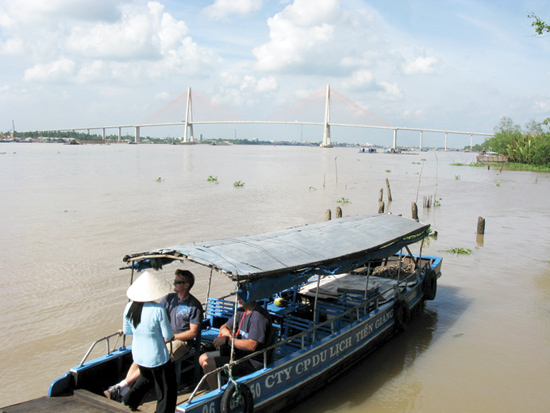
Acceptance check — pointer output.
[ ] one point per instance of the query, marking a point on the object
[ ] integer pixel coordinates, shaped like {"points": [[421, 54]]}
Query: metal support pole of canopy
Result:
{"points": [[368, 277], [208, 290], [367, 306], [412, 257], [315, 315], [234, 325]]}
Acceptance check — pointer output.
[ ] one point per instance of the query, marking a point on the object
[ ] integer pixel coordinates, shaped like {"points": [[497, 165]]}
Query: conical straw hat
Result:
{"points": [[148, 287]]}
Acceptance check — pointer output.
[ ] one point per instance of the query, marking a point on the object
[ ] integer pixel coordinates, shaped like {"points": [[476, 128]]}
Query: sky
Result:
{"points": [[434, 64]]}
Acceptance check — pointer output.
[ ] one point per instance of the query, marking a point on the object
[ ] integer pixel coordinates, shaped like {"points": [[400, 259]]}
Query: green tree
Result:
{"points": [[533, 127], [531, 147], [540, 26], [506, 132]]}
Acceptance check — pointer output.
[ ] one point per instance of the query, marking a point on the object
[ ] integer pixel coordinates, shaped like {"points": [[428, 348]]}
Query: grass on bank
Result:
{"points": [[509, 166]]}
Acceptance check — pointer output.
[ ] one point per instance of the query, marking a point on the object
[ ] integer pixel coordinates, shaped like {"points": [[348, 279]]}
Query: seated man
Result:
{"points": [[254, 333], [185, 314]]}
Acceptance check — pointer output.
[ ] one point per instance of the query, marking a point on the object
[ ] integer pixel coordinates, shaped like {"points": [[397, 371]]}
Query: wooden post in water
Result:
{"points": [[381, 207], [480, 226], [389, 190], [414, 211], [381, 197], [328, 214], [338, 212]]}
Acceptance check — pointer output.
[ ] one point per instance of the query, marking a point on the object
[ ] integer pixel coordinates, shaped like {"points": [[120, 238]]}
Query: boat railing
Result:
{"points": [[107, 338], [308, 336]]}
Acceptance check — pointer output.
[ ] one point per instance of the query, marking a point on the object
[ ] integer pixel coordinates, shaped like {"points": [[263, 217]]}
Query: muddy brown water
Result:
{"points": [[68, 214]]}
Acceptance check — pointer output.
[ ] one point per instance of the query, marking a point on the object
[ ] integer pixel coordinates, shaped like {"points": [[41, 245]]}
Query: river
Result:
{"points": [[69, 213]]}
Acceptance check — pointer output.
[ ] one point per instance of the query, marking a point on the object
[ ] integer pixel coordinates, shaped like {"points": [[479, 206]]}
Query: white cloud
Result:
{"points": [[391, 91], [267, 84], [52, 12], [141, 43], [310, 37], [360, 79], [11, 47], [223, 9], [421, 65], [239, 90], [301, 36], [139, 34], [57, 71]]}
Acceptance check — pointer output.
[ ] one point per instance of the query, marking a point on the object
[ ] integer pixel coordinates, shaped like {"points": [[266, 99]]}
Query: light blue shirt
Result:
{"points": [[148, 348]]}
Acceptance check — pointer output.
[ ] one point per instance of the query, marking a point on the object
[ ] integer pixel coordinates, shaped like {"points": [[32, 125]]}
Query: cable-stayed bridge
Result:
{"points": [[316, 110]]}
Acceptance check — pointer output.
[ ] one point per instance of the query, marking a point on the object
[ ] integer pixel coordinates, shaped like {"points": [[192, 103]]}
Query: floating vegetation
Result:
{"points": [[437, 203], [238, 184], [212, 178], [498, 184], [344, 201], [388, 170], [416, 163], [458, 335], [457, 177], [159, 179], [460, 251], [469, 164]]}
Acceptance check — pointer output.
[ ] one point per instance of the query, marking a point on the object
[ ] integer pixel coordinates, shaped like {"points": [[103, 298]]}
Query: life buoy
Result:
{"points": [[430, 285], [401, 313], [237, 397]]}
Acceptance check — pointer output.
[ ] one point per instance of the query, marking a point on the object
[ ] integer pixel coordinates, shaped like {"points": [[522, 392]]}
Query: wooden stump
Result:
{"points": [[328, 214], [414, 211], [338, 212], [480, 226]]}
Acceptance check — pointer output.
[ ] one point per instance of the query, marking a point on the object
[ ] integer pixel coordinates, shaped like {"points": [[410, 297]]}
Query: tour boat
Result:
{"points": [[335, 291]]}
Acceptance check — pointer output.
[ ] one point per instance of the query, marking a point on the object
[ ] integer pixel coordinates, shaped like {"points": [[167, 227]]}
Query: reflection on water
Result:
{"points": [[70, 213]]}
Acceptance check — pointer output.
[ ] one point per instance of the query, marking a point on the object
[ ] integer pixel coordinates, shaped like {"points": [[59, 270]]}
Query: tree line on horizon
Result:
{"points": [[530, 146]]}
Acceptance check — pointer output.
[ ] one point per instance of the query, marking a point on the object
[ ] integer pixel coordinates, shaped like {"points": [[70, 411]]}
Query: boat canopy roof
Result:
{"points": [[268, 263]]}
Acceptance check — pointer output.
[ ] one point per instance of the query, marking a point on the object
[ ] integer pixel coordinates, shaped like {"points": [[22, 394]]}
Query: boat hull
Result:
{"points": [[294, 378]]}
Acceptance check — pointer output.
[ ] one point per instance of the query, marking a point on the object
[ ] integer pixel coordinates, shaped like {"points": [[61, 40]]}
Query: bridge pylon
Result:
{"points": [[326, 134], [189, 119]]}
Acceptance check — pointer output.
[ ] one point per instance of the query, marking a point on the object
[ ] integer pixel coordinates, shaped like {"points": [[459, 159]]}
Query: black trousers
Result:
{"points": [[164, 380]]}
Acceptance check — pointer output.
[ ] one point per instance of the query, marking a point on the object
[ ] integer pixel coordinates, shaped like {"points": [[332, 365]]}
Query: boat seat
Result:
{"points": [[218, 311], [293, 326], [327, 311]]}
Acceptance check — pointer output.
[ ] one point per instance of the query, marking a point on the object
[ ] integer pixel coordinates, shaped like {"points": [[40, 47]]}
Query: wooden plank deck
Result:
{"points": [[83, 401]]}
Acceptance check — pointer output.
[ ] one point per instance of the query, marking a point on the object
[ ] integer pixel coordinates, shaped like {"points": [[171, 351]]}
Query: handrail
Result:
{"points": [[106, 338], [300, 336]]}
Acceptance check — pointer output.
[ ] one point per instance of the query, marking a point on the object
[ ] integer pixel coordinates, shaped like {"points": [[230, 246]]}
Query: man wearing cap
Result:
{"points": [[185, 314]]}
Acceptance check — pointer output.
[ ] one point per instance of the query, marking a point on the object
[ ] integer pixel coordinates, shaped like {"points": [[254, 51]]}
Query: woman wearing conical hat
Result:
{"points": [[148, 322]]}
